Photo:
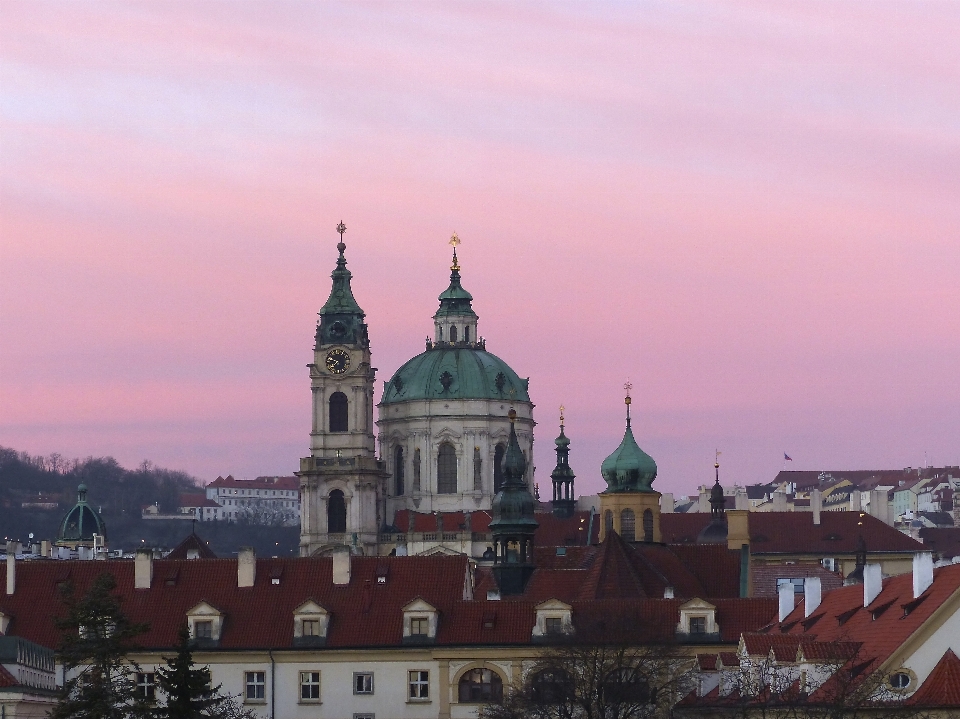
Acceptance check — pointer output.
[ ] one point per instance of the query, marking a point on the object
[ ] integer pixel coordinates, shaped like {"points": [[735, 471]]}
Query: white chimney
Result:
{"points": [[246, 567], [855, 500], [872, 583], [816, 504], [922, 572], [667, 505], [703, 505], [786, 599], [741, 501], [341, 565], [12, 549], [878, 504], [143, 569], [668, 592], [811, 595], [779, 502], [45, 548]]}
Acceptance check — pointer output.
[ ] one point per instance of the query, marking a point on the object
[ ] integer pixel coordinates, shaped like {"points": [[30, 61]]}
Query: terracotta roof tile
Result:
{"points": [[6, 678], [286, 483], [941, 688]]}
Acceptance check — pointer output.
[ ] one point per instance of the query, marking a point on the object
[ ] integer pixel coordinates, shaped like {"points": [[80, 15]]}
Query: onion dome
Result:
{"points": [[81, 523], [341, 319], [629, 468]]}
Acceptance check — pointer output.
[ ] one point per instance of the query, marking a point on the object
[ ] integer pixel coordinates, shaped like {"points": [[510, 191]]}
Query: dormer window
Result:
{"points": [[205, 623], [203, 629], [698, 622], [698, 625], [554, 619], [310, 625], [419, 623]]}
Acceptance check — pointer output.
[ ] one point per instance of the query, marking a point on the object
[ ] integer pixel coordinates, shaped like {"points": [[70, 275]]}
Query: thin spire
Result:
{"points": [[626, 400]]}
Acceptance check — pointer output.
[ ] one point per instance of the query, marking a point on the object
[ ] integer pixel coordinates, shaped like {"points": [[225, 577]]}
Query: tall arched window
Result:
{"points": [[446, 469], [416, 470], [336, 513], [453, 333], [647, 525], [481, 685], [498, 467], [607, 522], [466, 333], [398, 470], [628, 525], [338, 412], [477, 469]]}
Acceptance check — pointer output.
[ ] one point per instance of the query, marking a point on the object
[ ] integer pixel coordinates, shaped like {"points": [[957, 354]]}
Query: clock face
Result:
{"points": [[338, 361]]}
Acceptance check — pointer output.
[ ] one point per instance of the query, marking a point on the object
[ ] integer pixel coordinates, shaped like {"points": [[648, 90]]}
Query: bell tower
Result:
{"points": [[340, 481]]}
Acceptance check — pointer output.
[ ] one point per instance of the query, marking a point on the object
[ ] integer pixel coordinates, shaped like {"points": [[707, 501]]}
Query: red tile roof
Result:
{"points": [[941, 689], [765, 576], [552, 531], [288, 483], [192, 541], [795, 532], [196, 500], [945, 541], [6, 678]]}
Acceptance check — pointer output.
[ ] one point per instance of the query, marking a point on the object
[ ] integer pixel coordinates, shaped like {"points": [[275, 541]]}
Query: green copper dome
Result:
{"points": [[629, 468], [513, 507], [81, 523], [451, 372]]}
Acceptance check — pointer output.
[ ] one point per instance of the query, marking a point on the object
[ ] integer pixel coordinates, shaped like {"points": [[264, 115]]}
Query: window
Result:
{"points": [[255, 683], [466, 333], [203, 630], [398, 470], [797, 584], [481, 685], [311, 627], [647, 525], [554, 625], [628, 525], [498, 467], [624, 686], [419, 682], [309, 686], [419, 627], [446, 469], [363, 683], [477, 469], [338, 412], [900, 680], [146, 687], [551, 686], [698, 625], [416, 470], [453, 333], [336, 512]]}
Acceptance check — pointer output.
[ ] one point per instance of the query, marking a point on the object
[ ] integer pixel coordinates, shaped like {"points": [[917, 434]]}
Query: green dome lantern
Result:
{"points": [[80, 524], [629, 468]]}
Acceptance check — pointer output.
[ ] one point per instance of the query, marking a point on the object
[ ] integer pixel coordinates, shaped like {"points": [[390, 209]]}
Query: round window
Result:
{"points": [[900, 680]]}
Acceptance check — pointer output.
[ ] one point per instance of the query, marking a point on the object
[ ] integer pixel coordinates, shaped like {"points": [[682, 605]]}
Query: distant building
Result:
{"points": [[264, 500]]}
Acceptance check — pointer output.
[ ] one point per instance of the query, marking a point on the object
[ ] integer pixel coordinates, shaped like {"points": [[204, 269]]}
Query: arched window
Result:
{"points": [[481, 685], [398, 470], [416, 470], [466, 333], [446, 469], [647, 525], [338, 412], [626, 686], [607, 522], [477, 469], [453, 333], [336, 513], [628, 525], [551, 686], [498, 467]]}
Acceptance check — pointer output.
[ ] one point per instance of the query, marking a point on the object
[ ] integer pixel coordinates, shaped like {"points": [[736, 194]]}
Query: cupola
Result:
{"points": [[629, 468], [455, 323], [562, 476], [80, 524]]}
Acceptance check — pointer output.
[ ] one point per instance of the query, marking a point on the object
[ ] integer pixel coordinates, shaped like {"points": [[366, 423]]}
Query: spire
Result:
{"points": [[455, 301], [716, 531], [563, 476], [341, 319], [629, 468]]}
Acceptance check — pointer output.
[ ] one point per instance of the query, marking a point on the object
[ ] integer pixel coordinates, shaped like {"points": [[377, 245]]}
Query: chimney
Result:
{"points": [[738, 528], [855, 500], [786, 599], [878, 504], [816, 504], [922, 572], [246, 567], [143, 569], [872, 583], [741, 501], [12, 549], [668, 592], [811, 595], [667, 505], [45, 550], [779, 502], [341, 565], [703, 504]]}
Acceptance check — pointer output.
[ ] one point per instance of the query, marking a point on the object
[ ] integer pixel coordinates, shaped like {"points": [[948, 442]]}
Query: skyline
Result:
{"points": [[747, 210]]}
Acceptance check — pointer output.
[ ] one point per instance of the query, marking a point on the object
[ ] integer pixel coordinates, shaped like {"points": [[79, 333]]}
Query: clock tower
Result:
{"points": [[341, 480]]}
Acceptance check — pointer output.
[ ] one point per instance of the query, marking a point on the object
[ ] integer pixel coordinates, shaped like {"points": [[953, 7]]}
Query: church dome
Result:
{"points": [[629, 468], [446, 371], [81, 523]]}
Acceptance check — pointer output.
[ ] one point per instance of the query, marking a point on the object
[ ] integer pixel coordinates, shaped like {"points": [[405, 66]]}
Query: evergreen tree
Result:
{"points": [[96, 637], [187, 687]]}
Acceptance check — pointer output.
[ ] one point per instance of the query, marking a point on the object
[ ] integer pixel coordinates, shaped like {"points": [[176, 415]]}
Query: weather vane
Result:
{"points": [[341, 228], [561, 415], [716, 461], [627, 386], [454, 241]]}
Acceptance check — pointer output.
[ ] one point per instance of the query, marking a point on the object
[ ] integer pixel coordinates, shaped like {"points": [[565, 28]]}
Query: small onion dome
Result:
{"points": [[81, 522], [629, 468]]}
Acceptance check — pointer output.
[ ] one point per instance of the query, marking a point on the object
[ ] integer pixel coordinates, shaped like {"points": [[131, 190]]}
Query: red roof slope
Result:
{"points": [[287, 483], [795, 532], [192, 541], [942, 687], [6, 678]]}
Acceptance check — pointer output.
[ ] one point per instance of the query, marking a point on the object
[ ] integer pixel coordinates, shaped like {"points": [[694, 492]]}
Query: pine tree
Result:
{"points": [[95, 638], [187, 688]]}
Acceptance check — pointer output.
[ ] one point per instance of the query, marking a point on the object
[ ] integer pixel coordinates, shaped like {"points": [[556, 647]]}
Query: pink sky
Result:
{"points": [[750, 210]]}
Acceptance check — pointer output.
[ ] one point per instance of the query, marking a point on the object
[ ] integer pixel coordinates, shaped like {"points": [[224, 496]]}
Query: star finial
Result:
{"points": [[454, 242], [341, 228], [627, 386]]}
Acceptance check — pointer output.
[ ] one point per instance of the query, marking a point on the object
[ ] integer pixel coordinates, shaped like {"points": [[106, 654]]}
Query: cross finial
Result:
{"points": [[561, 415], [341, 228], [627, 386], [454, 242]]}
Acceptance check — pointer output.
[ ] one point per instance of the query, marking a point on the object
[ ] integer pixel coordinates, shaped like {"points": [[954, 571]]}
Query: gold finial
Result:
{"points": [[454, 241], [628, 385], [341, 228], [561, 414]]}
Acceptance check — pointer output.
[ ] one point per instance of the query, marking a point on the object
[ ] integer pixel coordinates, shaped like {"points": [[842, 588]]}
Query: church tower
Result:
{"points": [[562, 477], [341, 481]]}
